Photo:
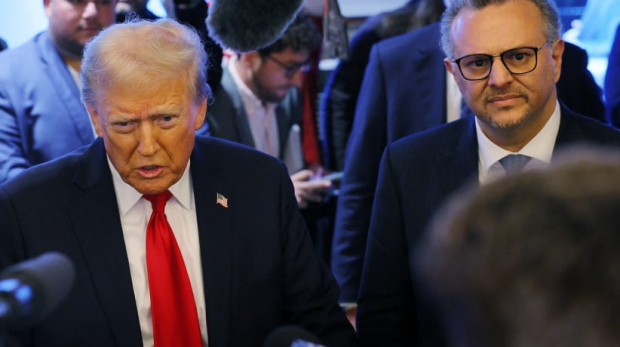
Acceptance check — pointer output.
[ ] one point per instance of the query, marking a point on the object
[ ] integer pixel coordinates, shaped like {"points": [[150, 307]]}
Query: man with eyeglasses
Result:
{"points": [[505, 56], [406, 90], [259, 103]]}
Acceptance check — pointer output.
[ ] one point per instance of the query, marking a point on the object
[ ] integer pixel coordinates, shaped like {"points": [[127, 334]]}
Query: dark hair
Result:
{"points": [[531, 260], [301, 34]]}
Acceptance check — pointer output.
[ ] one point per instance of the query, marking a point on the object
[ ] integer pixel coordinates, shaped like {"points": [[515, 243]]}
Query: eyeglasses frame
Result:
{"points": [[501, 55], [292, 69]]}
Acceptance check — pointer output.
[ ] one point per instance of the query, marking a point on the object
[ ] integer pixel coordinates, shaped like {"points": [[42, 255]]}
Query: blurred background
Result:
{"points": [[590, 24]]}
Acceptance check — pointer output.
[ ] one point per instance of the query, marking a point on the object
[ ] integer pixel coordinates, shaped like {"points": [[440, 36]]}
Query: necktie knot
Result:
{"points": [[158, 201], [514, 163]]}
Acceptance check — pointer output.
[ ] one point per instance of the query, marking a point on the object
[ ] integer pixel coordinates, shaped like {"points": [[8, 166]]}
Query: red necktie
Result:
{"points": [[173, 309]]}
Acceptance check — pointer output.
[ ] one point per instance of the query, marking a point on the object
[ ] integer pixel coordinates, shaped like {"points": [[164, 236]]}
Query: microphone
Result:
{"points": [[32, 289], [292, 336], [244, 26]]}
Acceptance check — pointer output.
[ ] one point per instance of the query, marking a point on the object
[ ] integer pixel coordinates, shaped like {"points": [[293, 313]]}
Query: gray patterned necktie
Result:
{"points": [[514, 163]]}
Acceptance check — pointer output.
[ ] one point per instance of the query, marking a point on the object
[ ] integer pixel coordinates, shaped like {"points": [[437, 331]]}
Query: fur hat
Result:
{"points": [[243, 26]]}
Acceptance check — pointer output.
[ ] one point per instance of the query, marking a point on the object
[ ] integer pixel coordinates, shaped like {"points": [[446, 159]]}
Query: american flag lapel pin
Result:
{"points": [[222, 200]]}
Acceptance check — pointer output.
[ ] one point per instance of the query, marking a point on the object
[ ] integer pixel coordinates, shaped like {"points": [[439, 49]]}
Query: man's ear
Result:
{"points": [[557, 50], [450, 66], [46, 5], [94, 117], [250, 58], [202, 113]]}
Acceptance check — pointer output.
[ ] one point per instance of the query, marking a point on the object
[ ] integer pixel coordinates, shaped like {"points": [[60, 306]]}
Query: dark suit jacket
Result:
{"points": [[344, 83], [227, 119], [259, 268], [404, 92], [41, 115], [417, 174], [612, 82]]}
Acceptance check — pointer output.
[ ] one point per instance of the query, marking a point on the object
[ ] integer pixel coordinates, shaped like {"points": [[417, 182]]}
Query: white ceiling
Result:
{"points": [[364, 8]]}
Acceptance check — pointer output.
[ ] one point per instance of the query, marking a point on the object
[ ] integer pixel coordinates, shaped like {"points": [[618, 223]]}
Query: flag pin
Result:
{"points": [[222, 200]]}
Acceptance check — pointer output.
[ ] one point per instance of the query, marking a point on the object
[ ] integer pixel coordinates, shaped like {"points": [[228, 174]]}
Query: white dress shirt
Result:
{"points": [[135, 212], [264, 125], [540, 149], [261, 116], [453, 99]]}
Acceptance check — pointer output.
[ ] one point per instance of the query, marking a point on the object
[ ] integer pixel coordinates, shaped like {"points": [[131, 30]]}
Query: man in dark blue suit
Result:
{"points": [[406, 90], [233, 225], [506, 73], [41, 116]]}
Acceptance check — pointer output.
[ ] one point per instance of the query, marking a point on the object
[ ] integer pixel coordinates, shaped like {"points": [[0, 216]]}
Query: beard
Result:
{"points": [[270, 95], [521, 114], [71, 47]]}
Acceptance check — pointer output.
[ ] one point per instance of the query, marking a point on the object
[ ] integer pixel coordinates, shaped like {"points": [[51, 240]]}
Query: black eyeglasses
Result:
{"points": [[291, 69], [518, 61]]}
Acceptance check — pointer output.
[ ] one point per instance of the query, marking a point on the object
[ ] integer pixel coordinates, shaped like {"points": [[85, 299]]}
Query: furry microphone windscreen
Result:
{"points": [[247, 25]]}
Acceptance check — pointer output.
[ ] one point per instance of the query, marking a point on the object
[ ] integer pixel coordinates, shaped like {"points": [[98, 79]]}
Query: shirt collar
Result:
{"points": [[540, 148], [127, 196]]}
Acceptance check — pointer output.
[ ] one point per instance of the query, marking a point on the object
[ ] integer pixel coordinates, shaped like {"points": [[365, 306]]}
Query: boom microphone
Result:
{"points": [[244, 26], [32, 289], [292, 336]]}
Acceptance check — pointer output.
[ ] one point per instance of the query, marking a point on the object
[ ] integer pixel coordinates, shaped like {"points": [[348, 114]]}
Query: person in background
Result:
{"points": [[406, 89], [177, 239], [310, 142], [530, 260], [41, 115], [259, 104], [507, 74], [344, 83]]}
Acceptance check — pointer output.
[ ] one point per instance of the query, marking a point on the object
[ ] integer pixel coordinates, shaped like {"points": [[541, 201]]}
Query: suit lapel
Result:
{"points": [[67, 90], [284, 124], [427, 66], [460, 163], [569, 132], [214, 228], [98, 230], [240, 121]]}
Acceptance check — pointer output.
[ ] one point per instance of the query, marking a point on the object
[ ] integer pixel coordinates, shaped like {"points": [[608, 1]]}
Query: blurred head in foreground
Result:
{"points": [[531, 260]]}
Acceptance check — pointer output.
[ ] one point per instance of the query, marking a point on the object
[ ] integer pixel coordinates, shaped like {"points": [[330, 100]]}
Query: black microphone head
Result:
{"points": [[292, 336], [245, 26], [36, 287]]}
